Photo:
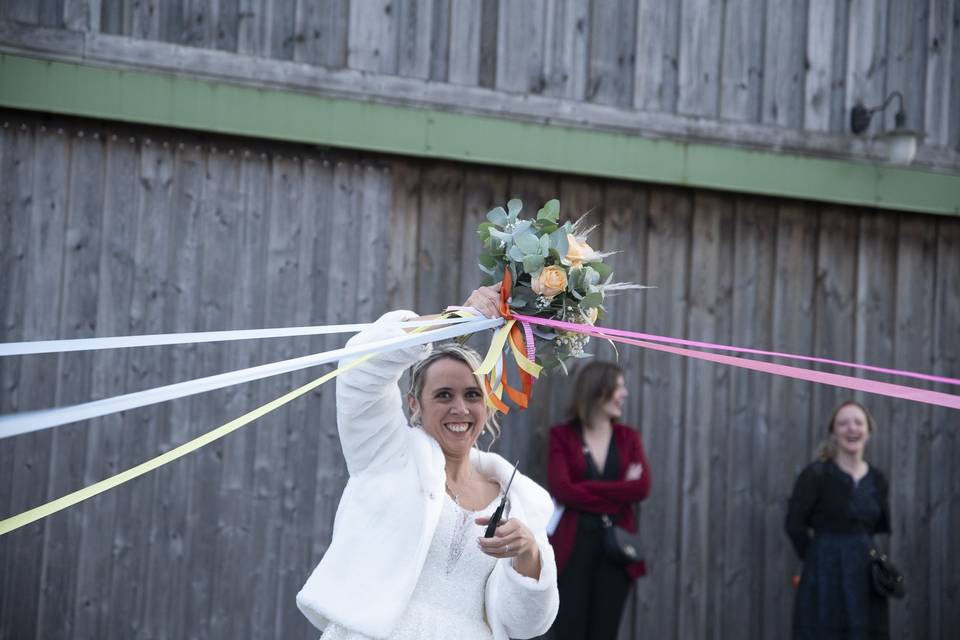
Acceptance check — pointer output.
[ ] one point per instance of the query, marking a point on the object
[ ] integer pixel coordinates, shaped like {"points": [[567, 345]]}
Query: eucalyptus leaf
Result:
{"points": [[533, 264], [590, 300], [514, 207], [545, 245], [603, 269], [550, 211], [500, 235], [521, 226], [487, 270], [497, 216], [590, 276], [558, 240], [516, 253], [488, 261], [527, 242]]}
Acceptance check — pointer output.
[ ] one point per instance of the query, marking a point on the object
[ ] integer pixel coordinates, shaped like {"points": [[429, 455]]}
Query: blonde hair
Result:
{"points": [[827, 449], [459, 353]]}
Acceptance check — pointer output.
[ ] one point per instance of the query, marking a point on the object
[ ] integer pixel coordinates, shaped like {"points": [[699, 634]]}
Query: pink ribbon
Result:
{"points": [[834, 379]]}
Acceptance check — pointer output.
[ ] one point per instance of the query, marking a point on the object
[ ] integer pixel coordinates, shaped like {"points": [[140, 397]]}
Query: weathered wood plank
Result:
{"points": [[907, 60], [78, 310], [82, 15], [44, 210], [566, 48], [944, 611], [168, 564], [611, 53], [441, 207], [20, 555], [217, 265], [624, 229], [700, 42], [834, 315], [909, 427], [282, 263], [116, 272], [695, 540], [655, 84], [667, 262], [322, 33], [750, 421], [823, 31], [414, 26], [489, 31], [482, 191], [298, 475], [875, 315], [867, 56], [520, 39], [741, 71], [463, 64], [372, 39], [231, 613], [722, 422], [26, 11], [401, 285], [784, 65], [787, 451], [942, 87], [133, 587]]}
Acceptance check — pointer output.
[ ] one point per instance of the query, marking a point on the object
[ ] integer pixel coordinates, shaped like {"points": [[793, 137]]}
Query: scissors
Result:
{"points": [[495, 518]]}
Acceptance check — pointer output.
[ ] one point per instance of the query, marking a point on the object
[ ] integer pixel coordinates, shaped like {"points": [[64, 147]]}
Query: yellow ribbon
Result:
{"points": [[52, 507]]}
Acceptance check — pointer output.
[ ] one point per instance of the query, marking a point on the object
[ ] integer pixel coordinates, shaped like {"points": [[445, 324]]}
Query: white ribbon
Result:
{"points": [[158, 339], [29, 421]]}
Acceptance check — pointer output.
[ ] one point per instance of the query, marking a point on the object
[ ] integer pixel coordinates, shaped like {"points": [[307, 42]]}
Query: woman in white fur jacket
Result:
{"points": [[408, 559]]}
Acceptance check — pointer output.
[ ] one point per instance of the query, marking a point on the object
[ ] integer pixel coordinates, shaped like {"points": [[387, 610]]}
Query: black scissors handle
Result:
{"points": [[495, 518]]}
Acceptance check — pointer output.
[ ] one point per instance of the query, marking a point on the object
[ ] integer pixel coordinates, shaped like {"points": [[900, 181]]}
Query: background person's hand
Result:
{"points": [[513, 540], [634, 471]]}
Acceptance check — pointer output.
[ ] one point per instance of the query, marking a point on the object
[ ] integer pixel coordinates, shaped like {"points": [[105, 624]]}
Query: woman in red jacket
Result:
{"points": [[597, 471]]}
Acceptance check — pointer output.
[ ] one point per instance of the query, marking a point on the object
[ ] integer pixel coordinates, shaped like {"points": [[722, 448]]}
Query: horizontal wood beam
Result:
{"points": [[196, 102]]}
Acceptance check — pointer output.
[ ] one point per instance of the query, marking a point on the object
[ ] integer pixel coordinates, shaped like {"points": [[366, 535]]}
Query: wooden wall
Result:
{"points": [[798, 65], [112, 230]]}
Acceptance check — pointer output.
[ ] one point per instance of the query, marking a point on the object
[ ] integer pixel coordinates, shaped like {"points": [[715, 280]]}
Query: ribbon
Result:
{"points": [[362, 354], [636, 335], [834, 379], [160, 339], [29, 421], [519, 337]]}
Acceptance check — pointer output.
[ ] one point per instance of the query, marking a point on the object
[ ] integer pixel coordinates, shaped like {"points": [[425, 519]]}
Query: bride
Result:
{"points": [[408, 559]]}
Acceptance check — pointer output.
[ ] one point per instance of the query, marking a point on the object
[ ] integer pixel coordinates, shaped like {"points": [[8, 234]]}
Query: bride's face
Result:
{"points": [[451, 406]]}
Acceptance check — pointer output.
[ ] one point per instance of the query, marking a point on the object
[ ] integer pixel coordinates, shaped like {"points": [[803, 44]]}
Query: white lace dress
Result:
{"points": [[448, 599]]}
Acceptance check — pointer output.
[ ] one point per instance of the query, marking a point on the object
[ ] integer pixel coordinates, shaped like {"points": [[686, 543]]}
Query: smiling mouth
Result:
{"points": [[458, 427]]}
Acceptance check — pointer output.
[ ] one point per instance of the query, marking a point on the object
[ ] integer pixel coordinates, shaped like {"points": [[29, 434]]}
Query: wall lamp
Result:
{"points": [[901, 142]]}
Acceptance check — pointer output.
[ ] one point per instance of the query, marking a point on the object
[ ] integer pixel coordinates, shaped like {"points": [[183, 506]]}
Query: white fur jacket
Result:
{"points": [[391, 505]]}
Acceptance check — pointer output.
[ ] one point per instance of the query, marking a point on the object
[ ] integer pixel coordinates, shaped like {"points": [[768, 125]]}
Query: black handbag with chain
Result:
{"points": [[886, 578], [620, 545]]}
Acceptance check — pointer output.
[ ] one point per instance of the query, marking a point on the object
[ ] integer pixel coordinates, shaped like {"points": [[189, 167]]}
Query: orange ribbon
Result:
{"points": [[520, 397]]}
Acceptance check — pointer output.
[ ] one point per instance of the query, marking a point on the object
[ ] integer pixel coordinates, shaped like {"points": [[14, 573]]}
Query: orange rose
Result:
{"points": [[577, 251], [550, 281]]}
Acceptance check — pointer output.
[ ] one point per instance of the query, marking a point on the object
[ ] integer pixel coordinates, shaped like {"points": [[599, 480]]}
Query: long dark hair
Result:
{"points": [[594, 385]]}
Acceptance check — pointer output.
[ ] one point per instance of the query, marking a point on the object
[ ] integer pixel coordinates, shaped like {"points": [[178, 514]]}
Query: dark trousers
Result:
{"points": [[593, 590]]}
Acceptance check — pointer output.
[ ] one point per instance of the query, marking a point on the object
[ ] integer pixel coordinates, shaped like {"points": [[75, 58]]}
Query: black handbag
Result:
{"points": [[887, 580], [620, 545]]}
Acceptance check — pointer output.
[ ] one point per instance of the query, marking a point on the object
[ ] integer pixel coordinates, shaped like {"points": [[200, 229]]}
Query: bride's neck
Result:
{"points": [[459, 469]]}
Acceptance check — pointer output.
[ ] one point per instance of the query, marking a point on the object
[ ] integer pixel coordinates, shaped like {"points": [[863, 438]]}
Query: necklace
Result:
{"points": [[456, 498]]}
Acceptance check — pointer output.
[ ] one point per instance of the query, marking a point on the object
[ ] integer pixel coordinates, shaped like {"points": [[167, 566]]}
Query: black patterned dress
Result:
{"points": [[835, 598]]}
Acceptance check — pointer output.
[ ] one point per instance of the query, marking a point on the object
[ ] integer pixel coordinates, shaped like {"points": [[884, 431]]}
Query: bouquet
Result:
{"points": [[554, 272]]}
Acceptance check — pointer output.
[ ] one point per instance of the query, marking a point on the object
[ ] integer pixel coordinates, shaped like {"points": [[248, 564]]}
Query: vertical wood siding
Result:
{"points": [[107, 230], [800, 65]]}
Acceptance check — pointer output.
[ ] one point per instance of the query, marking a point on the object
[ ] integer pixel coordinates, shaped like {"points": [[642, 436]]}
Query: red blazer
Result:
{"points": [[566, 472]]}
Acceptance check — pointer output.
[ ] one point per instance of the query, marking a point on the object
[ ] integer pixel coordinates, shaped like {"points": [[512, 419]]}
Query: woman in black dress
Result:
{"points": [[844, 501]]}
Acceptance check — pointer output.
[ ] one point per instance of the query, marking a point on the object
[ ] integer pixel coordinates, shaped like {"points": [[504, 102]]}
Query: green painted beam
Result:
{"points": [[194, 103]]}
